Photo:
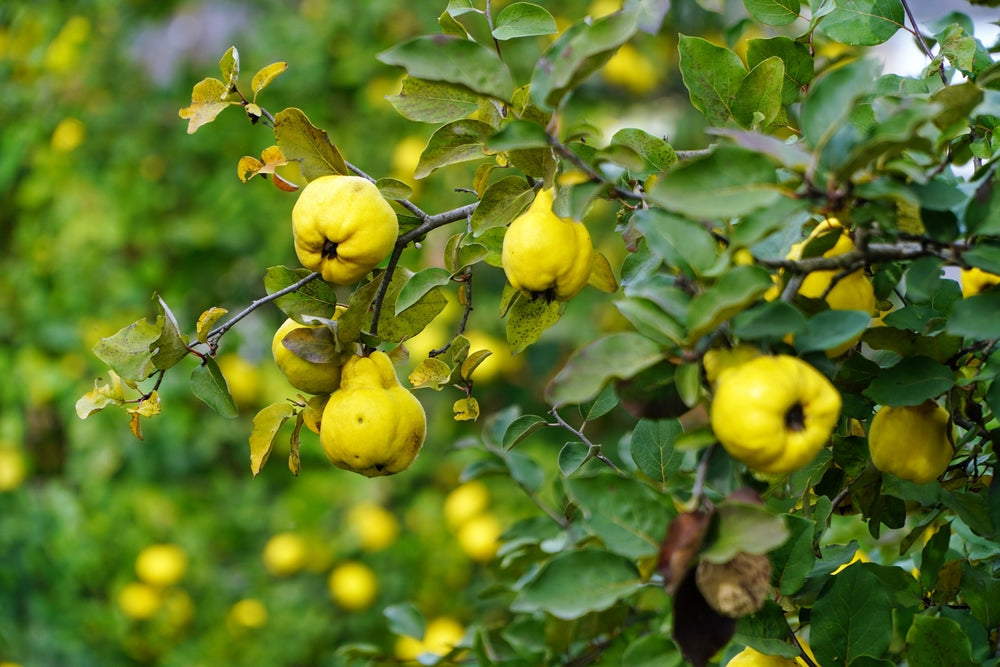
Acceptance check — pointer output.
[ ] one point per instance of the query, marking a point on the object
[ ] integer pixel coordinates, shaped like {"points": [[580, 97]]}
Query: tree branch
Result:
{"points": [[920, 40]]}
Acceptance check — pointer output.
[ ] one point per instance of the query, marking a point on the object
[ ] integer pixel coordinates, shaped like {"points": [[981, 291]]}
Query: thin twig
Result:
{"points": [[920, 40], [215, 334], [701, 474], [405, 203], [595, 449]]}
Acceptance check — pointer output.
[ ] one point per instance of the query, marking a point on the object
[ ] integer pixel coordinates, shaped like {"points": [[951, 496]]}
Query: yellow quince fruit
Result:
{"points": [[976, 280], [342, 227], [372, 425], [308, 376], [774, 413], [911, 442], [718, 360], [545, 255], [748, 657]]}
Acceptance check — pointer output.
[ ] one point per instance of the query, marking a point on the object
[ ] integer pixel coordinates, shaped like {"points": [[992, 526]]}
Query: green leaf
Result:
{"points": [[760, 93], [419, 284], [832, 98], [453, 60], [766, 631], [974, 317], [393, 189], [773, 12], [628, 516], [574, 583], [170, 347], [729, 182], [300, 140], [525, 471], [208, 384], [744, 527], [657, 153], [405, 619], [682, 243], [933, 556], [963, 50], [396, 325], [653, 651], [618, 355], [315, 298], [572, 456], [712, 74], [128, 352], [519, 134], [831, 328], [794, 559], [454, 142], [520, 429], [576, 54], [523, 19], [501, 203], [266, 425], [769, 321], [911, 382], [652, 448], [937, 642], [433, 101], [799, 66], [528, 318], [863, 22], [982, 593], [734, 292], [852, 618]]}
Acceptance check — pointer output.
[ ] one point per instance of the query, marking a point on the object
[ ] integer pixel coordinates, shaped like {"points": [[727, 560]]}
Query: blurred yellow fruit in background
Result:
{"points": [[138, 600], [12, 469], [976, 280], [243, 378], [248, 613], [68, 135], [161, 564], [285, 554], [479, 537], [375, 526], [353, 586], [465, 502], [442, 634], [630, 69]]}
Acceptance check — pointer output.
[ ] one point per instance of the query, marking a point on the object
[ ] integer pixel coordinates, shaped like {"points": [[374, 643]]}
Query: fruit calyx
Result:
{"points": [[795, 418]]}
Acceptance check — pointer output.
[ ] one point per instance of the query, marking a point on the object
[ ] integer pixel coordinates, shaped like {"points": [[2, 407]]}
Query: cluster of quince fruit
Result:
{"points": [[366, 420]]}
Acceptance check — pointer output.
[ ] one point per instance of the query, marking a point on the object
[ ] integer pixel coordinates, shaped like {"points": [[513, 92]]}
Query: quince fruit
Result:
{"points": [[372, 425], [748, 657], [911, 442], [774, 413], [976, 280], [852, 292], [545, 255], [718, 360], [342, 227], [308, 376]]}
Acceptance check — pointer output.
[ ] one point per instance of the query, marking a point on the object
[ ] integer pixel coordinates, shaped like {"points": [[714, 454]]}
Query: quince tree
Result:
{"points": [[821, 229]]}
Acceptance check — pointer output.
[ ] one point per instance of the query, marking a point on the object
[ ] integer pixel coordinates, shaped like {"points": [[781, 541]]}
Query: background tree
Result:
{"points": [[779, 229]]}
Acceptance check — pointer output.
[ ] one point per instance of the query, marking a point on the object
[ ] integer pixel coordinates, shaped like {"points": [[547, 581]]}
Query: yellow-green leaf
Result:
{"points": [[528, 318], [229, 65], [294, 460], [208, 98], [206, 321], [266, 75], [149, 407], [265, 426], [300, 140], [601, 276], [101, 396], [472, 362], [466, 409], [431, 372]]}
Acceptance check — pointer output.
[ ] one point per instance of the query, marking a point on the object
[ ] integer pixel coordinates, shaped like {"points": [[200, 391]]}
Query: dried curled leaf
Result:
{"points": [[682, 543]]}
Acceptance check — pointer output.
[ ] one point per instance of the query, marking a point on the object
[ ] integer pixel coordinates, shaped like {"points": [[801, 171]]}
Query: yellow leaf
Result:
{"points": [[265, 428], [272, 156], [149, 407], [248, 167], [101, 396], [208, 98], [135, 425], [472, 362], [265, 76], [431, 372], [601, 276], [466, 409], [206, 321]]}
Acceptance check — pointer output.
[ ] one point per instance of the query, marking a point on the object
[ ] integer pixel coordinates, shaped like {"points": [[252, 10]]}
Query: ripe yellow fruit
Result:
{"points": [[774, 414], [976, 280], [375, 526], [718, 360], [852, 292], [353, 586], [12, 469], [138, 600], [442, 634], [285, 554], [479, 537], [243, 378], [751, 658], [161, 565], [372, 425], [859, 557], [308, 376], [464, 502], [547, 256], [248, 613], [342, 227], [911, 442]]}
